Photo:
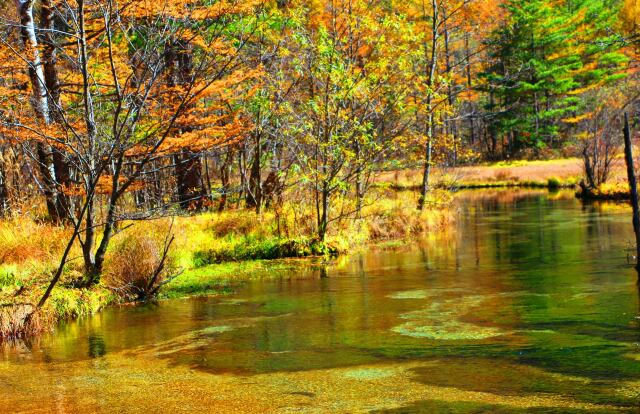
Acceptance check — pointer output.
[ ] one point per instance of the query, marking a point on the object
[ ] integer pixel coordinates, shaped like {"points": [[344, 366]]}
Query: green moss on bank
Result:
{"points": [[265, 249], [551, 183], [221, 278]]}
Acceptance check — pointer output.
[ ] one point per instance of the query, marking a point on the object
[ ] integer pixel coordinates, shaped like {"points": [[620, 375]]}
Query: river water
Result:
{"points": [[528, 305]]}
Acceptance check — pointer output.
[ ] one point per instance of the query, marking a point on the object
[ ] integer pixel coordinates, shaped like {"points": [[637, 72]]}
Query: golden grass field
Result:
{"points": [[566, 172]]}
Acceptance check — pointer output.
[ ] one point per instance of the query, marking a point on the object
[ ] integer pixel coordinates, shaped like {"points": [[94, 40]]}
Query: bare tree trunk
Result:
{"points": [[39, 101], [91, 175], [242, 157], [633, 188], [89, 238], [472, 132], [359, 184], [451, 123], [431, 73], [4, 191], [191, 193], [323, 219], [60, 163], [254, 193], [36, 73], [207, 177], [426, 172], [224, 178], [47, 170]]}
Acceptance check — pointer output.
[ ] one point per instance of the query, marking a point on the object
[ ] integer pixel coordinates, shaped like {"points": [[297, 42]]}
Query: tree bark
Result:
{"points": [[39, 101], [633, 188], [254, 193], [4, 190], [323, 219], [61, 165], [450, 122], [431, 73], [191, 194], [472, 132], [224, 178]]}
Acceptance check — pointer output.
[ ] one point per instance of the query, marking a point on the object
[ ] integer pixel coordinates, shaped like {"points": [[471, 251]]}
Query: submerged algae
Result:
{"points": [[442, 319], [71, 388]]}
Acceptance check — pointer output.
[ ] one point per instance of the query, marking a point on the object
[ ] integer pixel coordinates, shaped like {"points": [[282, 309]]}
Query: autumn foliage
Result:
{"points": [[118, 111]]}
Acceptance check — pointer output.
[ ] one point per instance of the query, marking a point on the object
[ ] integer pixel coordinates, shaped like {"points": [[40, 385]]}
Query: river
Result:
{"points": [[528, 305]]}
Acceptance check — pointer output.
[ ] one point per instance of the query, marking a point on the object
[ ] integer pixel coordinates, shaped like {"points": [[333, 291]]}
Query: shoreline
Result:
{"points": [[217, 251]]}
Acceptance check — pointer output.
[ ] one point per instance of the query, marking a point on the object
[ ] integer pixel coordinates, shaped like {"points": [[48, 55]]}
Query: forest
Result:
{"points": [[156, 150]]}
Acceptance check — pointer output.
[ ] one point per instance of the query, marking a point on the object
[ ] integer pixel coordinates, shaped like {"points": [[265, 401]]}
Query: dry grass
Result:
{"points": [[398, 218], [23, 240], [566, 171], [135, 267], [530, 171], [225, 223], [21, 320]]}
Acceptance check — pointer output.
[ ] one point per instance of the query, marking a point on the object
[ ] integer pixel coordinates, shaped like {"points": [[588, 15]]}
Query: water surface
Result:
{"points": [[529, 305]]}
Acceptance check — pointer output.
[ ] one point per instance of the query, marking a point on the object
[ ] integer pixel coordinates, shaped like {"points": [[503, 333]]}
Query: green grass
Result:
{"points": [[251, 248], [221, 278]]}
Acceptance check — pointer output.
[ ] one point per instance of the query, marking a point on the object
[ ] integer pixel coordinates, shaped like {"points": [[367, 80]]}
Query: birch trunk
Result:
{"points": [[39, 101]]}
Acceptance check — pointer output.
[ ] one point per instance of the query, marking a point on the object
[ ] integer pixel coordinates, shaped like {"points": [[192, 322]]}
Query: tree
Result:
{"points": [[543, 57], [119, 112], [346, 103]]}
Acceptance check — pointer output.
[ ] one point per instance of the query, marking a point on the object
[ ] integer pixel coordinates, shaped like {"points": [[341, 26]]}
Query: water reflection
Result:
{"points": [[97, 346]]}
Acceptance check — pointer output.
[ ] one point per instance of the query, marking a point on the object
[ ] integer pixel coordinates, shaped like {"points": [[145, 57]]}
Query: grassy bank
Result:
{"points": [[557, 173], [211, 253], [617, 191], [215, 251]]}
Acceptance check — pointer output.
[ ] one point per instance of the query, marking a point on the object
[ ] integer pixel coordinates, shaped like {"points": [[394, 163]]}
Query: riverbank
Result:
{"points": [[211, 253], [215, 251], [555, 173], [617, 191], [551, 174]]}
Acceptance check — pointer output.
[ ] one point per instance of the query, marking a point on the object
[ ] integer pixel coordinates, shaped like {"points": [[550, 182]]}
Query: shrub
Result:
{"points": [[138, 266], [250, 248], [20, 320], [553, 182]]}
